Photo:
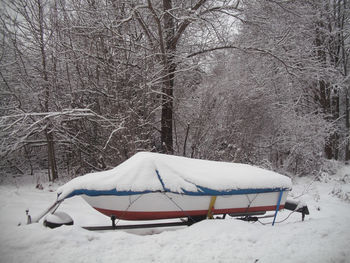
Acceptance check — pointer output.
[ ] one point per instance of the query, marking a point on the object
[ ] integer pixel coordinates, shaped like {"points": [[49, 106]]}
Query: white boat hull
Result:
{"points": [[151, 206]]}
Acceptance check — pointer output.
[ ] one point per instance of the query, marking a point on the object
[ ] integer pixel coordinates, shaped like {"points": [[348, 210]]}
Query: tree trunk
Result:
{"points": [[167, 113], [347, 124], [168, 81], [52, 169], [325, 94], [53, 175]]}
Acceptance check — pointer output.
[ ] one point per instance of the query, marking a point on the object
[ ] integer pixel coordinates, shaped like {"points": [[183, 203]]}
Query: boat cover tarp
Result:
{"points": [[153, 172]]}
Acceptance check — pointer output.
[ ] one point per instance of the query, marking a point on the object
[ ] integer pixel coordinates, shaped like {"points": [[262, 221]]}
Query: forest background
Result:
{"points": [[85, 84]]}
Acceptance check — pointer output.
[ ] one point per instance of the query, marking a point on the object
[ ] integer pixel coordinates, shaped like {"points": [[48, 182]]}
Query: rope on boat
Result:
{"points": [[250, 201], [277, 222], [185, 213], [210, 209], [130, 204]]}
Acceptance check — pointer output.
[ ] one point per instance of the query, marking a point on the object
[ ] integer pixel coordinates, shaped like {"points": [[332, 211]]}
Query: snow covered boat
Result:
{"points": [[152, 186]]}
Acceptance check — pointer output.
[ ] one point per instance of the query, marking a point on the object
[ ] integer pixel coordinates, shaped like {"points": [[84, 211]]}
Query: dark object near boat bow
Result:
{"points": [[57, 219], [297, 207]]}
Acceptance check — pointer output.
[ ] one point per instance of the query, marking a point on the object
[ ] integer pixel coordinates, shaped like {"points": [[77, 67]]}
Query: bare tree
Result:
{"points": [[269, 114], [249, 81], [28, 31], [167, 26]]}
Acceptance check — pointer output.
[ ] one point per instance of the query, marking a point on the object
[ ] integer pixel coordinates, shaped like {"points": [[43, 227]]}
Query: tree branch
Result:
{"points": [[183, 26], [246, 50], [160, 31]]}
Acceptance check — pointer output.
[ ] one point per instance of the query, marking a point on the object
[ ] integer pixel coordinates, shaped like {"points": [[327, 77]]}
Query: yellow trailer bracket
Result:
{"points": [[211, 206]]}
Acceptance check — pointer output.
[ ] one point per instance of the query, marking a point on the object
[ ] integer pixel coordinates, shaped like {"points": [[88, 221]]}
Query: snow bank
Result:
{"points": [[324, 236], [150, 172]]}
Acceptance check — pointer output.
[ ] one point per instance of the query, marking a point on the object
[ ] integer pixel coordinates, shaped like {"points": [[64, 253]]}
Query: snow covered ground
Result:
{"points": [[323, 237]]}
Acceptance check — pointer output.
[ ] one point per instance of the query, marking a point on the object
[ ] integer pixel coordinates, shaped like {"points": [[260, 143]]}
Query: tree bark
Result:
{"points": [[52, 169], [51, 157], [347, 125], [168, 81]]}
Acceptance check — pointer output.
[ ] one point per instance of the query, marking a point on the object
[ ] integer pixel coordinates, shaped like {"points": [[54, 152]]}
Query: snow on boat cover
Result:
{"points": [[153, 172]]}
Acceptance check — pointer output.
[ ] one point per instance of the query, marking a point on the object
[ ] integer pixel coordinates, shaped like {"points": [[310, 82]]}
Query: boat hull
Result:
{"points": [[165, 205]]}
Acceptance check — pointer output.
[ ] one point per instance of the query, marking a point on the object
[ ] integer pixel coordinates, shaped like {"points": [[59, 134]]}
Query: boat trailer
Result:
{"points": [[293, 206], [250, 217]]}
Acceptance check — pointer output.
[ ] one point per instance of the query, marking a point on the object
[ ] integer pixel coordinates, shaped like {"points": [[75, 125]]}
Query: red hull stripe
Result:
{"points": [[144, 215]]}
